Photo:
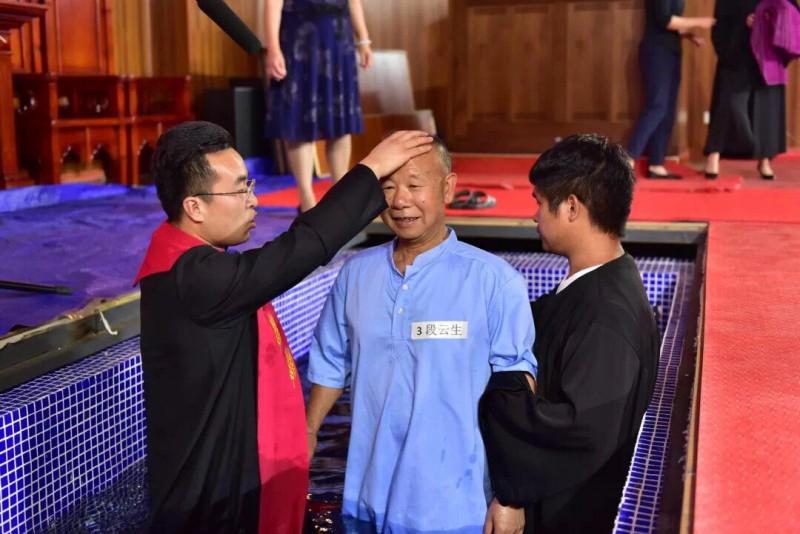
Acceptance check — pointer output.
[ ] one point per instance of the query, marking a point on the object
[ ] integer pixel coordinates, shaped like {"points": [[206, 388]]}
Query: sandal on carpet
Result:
{"points": [[472, 200]]}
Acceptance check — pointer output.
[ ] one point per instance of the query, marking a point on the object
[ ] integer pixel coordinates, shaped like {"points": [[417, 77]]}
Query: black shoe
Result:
{"points": [[764, 176], [668, 176], [711, 175]]}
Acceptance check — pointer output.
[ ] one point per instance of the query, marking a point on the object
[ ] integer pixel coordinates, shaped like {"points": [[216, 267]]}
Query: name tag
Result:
{"points": [[439, 330]]}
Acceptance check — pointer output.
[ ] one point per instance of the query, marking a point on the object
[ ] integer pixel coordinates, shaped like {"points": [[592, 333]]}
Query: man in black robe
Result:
{"points": [[227, 448], [560, 446]]}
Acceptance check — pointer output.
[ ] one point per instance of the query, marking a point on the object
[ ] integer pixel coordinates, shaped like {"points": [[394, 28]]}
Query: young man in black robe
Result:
{"points": [[227, 449], [559, 448]]}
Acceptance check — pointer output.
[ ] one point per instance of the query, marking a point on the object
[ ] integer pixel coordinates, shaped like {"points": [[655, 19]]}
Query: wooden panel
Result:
{"points": [[564, 67], [422, 29], [626, 96], [793, 106], [487, 78], [169, 31], [531, 95], [132, 38], [589, 34], [186, 41], [83, 35], [689, 135], [211, 52]]}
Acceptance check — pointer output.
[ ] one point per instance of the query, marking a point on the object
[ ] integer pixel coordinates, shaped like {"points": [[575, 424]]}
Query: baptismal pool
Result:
{"points": [[73, 447]]}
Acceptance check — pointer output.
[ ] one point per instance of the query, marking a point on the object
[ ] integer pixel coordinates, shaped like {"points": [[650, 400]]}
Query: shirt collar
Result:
{"points": [[426, 258]]}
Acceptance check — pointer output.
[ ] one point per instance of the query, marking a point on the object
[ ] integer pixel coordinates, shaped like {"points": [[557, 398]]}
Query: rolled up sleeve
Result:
{"points": [[329, 361], [511, 329]]}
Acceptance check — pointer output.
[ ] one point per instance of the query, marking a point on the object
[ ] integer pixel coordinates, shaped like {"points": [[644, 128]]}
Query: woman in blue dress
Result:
{"points": [[311, 60]]}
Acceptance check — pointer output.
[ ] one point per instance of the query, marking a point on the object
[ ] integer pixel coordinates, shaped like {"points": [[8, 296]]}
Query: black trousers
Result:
{"points": [[748, 117], [661, 79]]}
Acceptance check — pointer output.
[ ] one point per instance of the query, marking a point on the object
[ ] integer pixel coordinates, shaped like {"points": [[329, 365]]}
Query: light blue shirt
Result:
{"points": [[418, 351]]}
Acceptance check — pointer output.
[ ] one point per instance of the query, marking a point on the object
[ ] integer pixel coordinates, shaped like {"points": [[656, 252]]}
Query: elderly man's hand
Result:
{"points": [[504, 519], [394, 151]]}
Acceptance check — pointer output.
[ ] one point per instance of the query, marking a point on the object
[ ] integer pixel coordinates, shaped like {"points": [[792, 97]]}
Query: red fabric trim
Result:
{"points": [[282, 444], [166, 246]]}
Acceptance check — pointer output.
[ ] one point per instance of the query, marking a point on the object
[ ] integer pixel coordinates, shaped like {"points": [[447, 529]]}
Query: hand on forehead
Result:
{"points": [[428, 165]]}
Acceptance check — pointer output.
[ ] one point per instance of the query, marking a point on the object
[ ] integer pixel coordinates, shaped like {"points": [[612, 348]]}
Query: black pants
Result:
{"points": [[748, 117], [661, 79]]}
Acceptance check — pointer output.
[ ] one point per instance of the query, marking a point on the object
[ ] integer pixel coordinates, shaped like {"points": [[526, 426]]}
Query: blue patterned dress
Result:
{"points": [[319, 98]]}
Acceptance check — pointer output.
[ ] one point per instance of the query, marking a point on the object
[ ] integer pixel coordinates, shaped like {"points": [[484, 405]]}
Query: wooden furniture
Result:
{"points": [[13, 16], [526, 72], [71, 127], [153, 105]]}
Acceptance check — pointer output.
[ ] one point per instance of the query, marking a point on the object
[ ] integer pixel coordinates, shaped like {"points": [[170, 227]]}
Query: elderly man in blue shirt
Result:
{"points": [[416, 327]]}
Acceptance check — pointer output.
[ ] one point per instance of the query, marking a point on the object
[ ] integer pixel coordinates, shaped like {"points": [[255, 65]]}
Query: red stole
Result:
{"points": [[281, 428], [282, 442]]}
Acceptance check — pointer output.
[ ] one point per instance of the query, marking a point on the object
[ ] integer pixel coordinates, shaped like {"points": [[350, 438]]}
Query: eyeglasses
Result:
{"points": [[250, 185]]}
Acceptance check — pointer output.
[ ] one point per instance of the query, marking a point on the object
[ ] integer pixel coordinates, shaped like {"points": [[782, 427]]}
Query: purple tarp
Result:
{"points": [[94, 245]]}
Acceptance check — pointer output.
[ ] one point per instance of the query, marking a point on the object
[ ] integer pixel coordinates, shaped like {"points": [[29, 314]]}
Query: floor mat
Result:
{"points": [[749, 435]]}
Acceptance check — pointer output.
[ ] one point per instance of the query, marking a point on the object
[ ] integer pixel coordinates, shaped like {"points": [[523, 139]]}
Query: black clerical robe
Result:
{"points": [[564, 452], [200, 342]]}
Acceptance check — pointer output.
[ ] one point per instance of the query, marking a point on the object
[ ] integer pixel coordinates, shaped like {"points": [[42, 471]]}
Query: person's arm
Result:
{"points": [[511, 329], [320, 403], [536, 447], [512, 334], [687, 24], [329, 359], [216, 287], [363, 43], [663, 16], [275, 63]]}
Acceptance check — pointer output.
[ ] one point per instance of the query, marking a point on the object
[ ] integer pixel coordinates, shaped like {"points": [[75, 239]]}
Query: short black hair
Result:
{"points": [[593, 169], [180, 167]]}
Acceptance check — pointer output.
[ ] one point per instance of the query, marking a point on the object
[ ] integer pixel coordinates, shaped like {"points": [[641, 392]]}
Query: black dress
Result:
{"points": [[748, 117], [564, 452]]}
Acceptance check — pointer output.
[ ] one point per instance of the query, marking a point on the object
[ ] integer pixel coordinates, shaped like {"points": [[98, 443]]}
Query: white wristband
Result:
{"points": [[363, 42]]}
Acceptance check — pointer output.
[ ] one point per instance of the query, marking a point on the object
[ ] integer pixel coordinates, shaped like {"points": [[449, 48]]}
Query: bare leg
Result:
{"points": [[301, 163], [338, 151], [712, 163]]}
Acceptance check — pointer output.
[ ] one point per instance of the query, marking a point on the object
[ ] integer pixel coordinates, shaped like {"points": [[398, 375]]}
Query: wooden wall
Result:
{"points": [[198, 46], [548, 66], [133, 40], [84, 36], [422, 29], [529, 72], [174, 38], [561, 64]]}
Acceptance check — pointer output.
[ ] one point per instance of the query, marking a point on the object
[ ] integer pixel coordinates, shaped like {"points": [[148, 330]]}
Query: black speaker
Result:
{"points": [[240, 110]]}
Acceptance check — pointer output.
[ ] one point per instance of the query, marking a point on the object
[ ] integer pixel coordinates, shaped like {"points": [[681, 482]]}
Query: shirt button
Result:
{"points": [[405, 286], [400, 311]]}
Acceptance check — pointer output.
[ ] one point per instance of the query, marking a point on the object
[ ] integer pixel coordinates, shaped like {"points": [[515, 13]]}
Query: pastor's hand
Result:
{"points": [[394, 151], [504, 519]]}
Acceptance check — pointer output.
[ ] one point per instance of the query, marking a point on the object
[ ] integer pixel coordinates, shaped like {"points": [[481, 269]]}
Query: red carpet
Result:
{"points": [[692, 199], [748, 464]]}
